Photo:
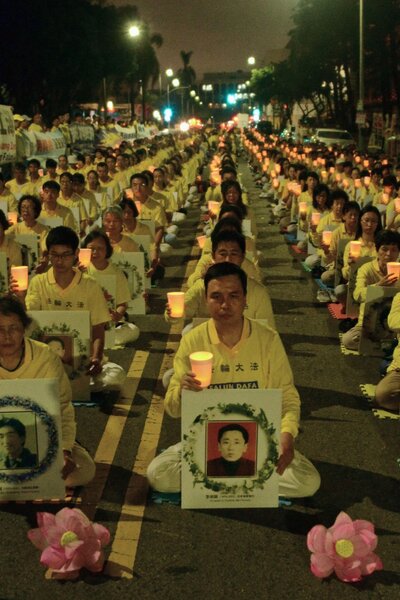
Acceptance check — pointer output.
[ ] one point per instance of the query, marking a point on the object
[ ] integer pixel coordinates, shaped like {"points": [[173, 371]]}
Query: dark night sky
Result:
{"points": [[221, 33]]}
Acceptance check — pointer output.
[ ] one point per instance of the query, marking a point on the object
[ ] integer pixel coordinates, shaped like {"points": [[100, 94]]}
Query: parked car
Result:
{"points": [[333, 137]]}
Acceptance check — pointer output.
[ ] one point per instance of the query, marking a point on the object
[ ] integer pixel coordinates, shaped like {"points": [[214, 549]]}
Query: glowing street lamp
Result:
{"points": [[169, 73], [134, 31], [193, 93], [175, 82], [251, 60]]}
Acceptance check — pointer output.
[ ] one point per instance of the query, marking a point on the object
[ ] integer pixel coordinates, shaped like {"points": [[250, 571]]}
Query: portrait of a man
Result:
{"points": [[233, 443], [13, 454]]}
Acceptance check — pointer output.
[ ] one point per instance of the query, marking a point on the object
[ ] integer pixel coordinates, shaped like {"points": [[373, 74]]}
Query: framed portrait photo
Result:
{"points": [[230, 448], [31, 457], [68, 334], [132, 264]]}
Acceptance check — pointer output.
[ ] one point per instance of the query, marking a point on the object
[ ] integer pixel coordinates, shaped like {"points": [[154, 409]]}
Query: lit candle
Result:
{"points": [[393, 268], [273, 174], [302, 208], [367, 181], [331, 170], [278, 168], [324, 175], [275, 183], [355, 248], [85, 256], [20, 274], [12, 217], [176, 301], [201, 364], [201, 240], [366, 163], [385, 198], [358, 159], [326, 237], [338, 177], [213, 207], [315, 218]]}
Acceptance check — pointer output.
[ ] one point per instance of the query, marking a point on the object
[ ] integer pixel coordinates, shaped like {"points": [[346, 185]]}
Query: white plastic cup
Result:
{"points": [[393, 268], [201, 364], [326, 237], [176, 301], [20, 274], [355, 248]]}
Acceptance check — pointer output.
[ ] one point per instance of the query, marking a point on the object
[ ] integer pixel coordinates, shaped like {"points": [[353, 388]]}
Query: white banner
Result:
{"points": [[44, 145], [8, 146]]}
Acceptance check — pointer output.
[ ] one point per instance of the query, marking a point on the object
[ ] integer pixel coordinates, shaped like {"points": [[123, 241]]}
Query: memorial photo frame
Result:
{"points": [[32, 459], [61, 326], [132, 264], [204, 414]]}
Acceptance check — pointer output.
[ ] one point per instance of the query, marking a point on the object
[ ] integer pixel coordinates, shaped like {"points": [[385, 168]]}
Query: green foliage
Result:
{"points": [[58, 53], [323, 61]]}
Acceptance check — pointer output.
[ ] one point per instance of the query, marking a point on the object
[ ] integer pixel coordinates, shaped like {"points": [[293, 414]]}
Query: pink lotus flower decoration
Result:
{"points": [[346, 548], [69, 541]]}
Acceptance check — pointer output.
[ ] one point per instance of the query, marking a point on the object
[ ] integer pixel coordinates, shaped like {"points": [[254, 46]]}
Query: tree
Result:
{"points": [[186, 76]]}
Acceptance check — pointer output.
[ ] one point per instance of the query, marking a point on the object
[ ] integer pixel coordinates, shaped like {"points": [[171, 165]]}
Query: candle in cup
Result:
{"points": [[385, 198], [393, 268], [201, 364], [315, 218], [302, 208], [213, 207], [326, 237], [275, 183], [85, 256], [355, 248], [176, 301], [20, 274], [201, 240], [12, 217]]}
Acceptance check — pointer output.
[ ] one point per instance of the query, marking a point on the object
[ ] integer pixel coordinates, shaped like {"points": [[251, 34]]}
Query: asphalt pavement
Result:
{"points": [[159, 551]]}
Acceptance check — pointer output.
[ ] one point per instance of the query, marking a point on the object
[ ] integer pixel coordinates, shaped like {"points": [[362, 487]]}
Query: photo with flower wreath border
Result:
{"points": [[203, 414], [35, 404], [132, 265]]}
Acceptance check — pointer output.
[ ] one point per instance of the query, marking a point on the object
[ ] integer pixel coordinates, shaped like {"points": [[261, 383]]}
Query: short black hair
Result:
{"points": [[62, 236], [51, 163], [3, 221], [51, 185], [227, 235], [15, 424], [11, 306], [37, 205], [78, 178], [67, 175], [233, 427], [128, 203], [34, 161], [141, 176], [230, 208], [339, 195], [387, 237], [225, 269], [95, 235]]}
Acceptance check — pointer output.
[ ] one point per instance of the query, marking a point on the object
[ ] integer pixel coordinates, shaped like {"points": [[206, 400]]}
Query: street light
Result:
{"points": [[134, 31], [176, 82], [169, 73], [193, 93], [251, 60]]}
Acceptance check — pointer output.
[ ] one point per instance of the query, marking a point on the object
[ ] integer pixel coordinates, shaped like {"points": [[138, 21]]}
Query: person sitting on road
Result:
{"points": [[233, 339]]}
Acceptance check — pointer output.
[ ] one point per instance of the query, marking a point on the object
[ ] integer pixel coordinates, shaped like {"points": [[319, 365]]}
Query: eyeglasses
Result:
{"points": [[63, 256]]}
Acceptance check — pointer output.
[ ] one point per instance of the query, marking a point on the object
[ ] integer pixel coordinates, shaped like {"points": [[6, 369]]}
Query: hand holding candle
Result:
{"points": [[201, 364], [393, 268], [85, 256], [201, 240], [326, 237], [12, 217], [355, 249], [176, 301], [20, 274]]}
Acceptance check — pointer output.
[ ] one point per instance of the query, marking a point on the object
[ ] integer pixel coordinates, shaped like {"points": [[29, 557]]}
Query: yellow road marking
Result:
{"points": [[122, 557]]}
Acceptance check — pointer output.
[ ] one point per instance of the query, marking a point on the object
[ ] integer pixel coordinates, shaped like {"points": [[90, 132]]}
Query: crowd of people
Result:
{"points": [[325, 198]]}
